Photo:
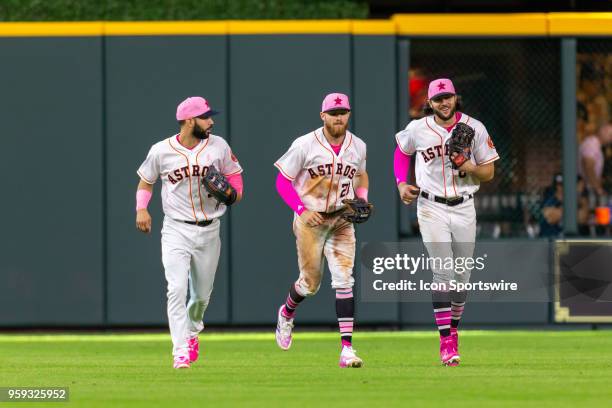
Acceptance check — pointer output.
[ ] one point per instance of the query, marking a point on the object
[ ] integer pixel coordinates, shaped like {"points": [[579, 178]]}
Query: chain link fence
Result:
{"points": [[594, 135], [513, 86]]}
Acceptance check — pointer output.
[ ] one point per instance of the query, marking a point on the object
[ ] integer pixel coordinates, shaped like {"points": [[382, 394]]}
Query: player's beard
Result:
{"points": [[443, 117], [336, 131], [201, 133]]}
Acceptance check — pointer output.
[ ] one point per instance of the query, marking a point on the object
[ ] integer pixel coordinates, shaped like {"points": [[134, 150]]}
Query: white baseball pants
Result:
{"points": [[190, 255], [448, 232]]}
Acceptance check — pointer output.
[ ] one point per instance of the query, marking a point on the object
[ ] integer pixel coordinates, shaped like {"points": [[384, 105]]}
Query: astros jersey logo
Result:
{"points": [[434, 151], [326, 170], [183, 173]]}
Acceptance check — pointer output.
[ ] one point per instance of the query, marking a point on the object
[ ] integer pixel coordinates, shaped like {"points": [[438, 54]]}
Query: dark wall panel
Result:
{"points": [[374, 119], [147, 77], [52, 202], [277, 85]]}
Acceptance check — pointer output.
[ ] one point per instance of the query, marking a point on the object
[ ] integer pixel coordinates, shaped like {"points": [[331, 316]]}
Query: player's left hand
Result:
{"points": [[467, 167], [218, 187], [357, 210]]}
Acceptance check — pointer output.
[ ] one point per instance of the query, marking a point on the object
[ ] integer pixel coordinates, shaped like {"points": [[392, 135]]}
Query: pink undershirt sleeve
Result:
{"points": [[235, 181], [288, 194], [401, 164]]}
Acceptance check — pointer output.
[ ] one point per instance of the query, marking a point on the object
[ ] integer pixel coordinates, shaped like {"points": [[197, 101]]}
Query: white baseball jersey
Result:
{"points": [[433, 170], [183, 196], [322, 179]]}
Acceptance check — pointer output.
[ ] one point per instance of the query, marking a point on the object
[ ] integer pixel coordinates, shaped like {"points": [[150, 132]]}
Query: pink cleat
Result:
{"points": [[181, 362], [455, 337], [448, 351], [348, 358], [283, 330], [194, 348]]}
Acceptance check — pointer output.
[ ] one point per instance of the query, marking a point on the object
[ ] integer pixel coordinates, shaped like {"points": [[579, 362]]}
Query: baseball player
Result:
{"points": [[448, 173], [317, 175], [200, 178]]}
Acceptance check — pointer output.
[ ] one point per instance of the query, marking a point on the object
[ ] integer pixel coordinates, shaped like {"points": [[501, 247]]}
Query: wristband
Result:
{"points": [[362, 192], [142, 199]]}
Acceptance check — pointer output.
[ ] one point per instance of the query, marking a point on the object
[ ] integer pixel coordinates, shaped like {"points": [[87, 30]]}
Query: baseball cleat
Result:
{"points": [[283, 330], [194, 348], [181, 362], [455, 344], [348, 358], [448, 352]]}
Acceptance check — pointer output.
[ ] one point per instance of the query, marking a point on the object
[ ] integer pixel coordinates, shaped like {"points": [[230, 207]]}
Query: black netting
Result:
{"points": [[513, 87], [594, 135]]}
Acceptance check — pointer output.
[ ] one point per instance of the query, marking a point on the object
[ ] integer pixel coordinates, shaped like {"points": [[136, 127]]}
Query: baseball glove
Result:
{"points": [[460, 142], [357, 210], [217, 186]]}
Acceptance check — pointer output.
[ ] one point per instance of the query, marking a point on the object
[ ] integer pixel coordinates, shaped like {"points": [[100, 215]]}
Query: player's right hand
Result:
{"points": [[407, 192], [311, 218], [143, 221]]}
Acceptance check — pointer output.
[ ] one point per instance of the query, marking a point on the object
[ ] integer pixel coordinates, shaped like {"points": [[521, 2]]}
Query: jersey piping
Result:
{"points": [[331, 183], [200, 184], [189, 176], [442, 143], [144, 178]]}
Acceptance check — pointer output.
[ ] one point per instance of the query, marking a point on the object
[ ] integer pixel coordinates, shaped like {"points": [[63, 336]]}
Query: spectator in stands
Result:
{"points": [[417, 83], [551, 221], [591, 93], [591, 160], [552, 209]]}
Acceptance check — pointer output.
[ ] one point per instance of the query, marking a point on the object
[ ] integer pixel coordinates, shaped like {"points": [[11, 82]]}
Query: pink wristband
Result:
{"points": [[362, 192], [142, 199]]}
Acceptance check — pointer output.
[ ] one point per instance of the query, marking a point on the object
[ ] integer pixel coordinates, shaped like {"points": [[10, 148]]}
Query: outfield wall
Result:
{"points": [[83, 102]]}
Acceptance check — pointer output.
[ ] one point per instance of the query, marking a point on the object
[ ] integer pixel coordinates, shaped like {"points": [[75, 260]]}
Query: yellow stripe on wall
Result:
{"points": [[290, 27], [166, 28], [374, 27], [472, 24], [447, 25], [54, 29], [580, 24]]}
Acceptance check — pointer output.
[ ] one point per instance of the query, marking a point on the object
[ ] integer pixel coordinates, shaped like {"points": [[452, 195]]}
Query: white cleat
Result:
{"points": [[348, 358], [283, 330]]}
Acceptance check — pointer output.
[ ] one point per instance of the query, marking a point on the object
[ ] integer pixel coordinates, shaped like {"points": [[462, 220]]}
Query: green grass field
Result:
{"points": [[499, 369]]}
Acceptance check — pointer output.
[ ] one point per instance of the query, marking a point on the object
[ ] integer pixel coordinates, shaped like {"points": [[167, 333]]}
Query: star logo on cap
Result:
{"points": [[338, 101], [441, 86], [206, 103]]}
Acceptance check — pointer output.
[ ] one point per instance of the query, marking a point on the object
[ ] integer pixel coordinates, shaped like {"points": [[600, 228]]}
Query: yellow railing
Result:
{"points": [[520, 24]]}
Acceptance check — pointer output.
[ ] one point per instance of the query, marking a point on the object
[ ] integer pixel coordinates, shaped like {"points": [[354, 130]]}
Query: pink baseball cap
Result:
{"points": [[335, 101], [439, 87], [193, 107]]}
